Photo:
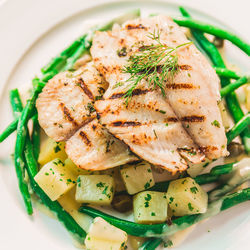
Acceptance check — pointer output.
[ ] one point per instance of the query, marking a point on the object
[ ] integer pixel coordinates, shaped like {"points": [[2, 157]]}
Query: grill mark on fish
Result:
{"points": [[136, 92], [172, 119], [133, 27], [68, 115], [85, 89], [205, 149], [85, 139], [193, 118], [185, 67], [180, 86], [125, 124]]}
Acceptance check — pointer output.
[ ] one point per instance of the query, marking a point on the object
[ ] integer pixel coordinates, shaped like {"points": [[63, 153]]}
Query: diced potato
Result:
{"points": [[70, 205], [55, 179], [95, 189], [51, 150], [150, 207], [137, 177], [247, 90], [185, 197], [70, 165], [115, 172], [104, 236], [195, 169]]}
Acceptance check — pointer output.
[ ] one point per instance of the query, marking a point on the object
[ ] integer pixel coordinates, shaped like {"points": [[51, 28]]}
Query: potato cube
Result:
{"points": [[70, 165], [95, 189], [115, 172], [150, 207], [54, 179], [185, 197], [51, 150], [137, 177], [104, 236]]}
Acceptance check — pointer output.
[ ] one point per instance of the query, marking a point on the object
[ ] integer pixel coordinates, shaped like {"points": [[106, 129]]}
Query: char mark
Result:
{"points": [[206, 149], [185, 67], [172, 119], [180, 86], [136, 92], [133, 26], [67, 114], [85, 139], [193, 118], [125, 124], [85, 89]]}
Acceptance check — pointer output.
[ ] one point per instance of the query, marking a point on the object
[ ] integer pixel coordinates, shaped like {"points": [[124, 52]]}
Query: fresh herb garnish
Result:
{"points": [[194, 190], [156, 63], [216, 123]]}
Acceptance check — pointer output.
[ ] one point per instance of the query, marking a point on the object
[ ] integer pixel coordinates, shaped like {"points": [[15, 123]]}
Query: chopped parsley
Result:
{"points": [[194, 190], [168, 243], [57, 148], [100, 184], [78, 182], [155, 134], [216, 123], [122, 52], [171, 199], [152, 214], [190, 207], [147, 185], [162, 111], [90, 108]]}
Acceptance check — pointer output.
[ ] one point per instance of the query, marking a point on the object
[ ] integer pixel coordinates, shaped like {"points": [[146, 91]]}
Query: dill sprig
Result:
{"points": [[156, 63]]}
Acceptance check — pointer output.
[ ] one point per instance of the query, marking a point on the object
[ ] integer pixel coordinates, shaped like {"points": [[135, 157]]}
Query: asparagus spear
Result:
{"points": [[162, 230]]}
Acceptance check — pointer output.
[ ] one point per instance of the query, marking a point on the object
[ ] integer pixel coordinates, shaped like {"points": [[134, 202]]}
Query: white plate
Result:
{"points": [[33, 32]]}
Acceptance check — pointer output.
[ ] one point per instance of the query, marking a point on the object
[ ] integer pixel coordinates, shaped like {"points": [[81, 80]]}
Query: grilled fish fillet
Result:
{"points": [[147, 124], [66, 112], [66, 103], [193, 93], [92, 147]]}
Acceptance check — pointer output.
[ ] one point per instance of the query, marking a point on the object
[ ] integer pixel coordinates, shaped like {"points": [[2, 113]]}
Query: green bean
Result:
{"points": [[35, 137], [9, 130], [237, 129], [233, 86], [61, 214], [222, 169], [216, 31], [231, 99], [19, 148], [19, 166], [151, 244], [16, 103], [59, 61], [227, 73], [162, 230]]}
